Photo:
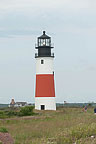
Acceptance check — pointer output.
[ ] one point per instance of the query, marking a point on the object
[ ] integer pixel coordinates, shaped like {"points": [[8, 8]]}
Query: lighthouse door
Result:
{"points": [[42, 107]]}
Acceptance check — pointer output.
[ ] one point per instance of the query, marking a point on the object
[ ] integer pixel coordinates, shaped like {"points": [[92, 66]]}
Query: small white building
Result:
{"points": [[20, 104], [17, 104]]}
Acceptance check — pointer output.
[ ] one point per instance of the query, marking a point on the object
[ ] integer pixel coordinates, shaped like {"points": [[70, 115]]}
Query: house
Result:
{"points": [[20, 104], [65, 102], [17, 104], [12, 103]]}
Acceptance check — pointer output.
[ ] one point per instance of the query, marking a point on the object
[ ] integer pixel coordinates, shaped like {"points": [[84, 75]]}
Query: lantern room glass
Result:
{"points": [[44, 42]]}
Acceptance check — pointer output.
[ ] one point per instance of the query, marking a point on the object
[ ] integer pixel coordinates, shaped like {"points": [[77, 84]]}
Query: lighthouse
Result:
{"points": [[45, 88]]}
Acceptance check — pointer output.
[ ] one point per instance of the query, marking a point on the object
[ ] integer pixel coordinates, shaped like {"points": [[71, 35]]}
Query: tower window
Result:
{"points": [[42, 61]]}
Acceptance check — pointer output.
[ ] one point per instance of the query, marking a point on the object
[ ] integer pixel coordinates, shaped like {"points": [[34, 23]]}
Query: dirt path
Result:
{"points": [[26, 118]]}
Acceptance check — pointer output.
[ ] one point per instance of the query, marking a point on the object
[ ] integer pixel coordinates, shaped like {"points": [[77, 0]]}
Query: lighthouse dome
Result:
{"points": [[44, 36]]}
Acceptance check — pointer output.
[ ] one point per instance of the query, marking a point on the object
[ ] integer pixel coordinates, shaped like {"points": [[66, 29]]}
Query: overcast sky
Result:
{"points": [[72, 26]]}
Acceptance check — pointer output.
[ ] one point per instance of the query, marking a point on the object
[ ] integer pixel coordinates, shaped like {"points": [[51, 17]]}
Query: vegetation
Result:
{"points": [[64, 126], [3, 130], [13, 112], [26, 111]]}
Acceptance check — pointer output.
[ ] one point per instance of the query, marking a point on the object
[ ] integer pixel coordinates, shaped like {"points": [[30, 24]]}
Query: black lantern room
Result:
{"points": [[44, 46]]}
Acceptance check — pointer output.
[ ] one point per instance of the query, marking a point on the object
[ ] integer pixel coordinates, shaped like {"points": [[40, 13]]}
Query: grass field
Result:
{"points": [[64, 126]]}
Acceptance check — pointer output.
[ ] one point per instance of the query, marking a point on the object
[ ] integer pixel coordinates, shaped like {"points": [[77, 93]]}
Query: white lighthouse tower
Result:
{"points": [[45, 89]]}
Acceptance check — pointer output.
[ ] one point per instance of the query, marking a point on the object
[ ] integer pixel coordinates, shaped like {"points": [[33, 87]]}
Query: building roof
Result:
{"points": [[23, 103], [44, 36], [19, 103]]}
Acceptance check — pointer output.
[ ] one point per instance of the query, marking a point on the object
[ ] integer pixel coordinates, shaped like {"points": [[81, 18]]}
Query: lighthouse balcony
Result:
{"points": [[40, 45], [44, 55]]}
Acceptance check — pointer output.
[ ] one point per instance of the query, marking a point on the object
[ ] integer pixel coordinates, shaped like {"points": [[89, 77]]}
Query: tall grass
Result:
{"points": [[65, 126]]}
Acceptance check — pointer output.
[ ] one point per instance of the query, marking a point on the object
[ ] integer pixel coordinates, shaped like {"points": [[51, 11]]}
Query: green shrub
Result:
{"points": [[3, 130], [26, 111], [12, 113], [2, 114]]}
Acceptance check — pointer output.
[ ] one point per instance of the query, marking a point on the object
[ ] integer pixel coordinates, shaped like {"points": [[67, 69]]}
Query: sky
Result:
{"points": [[72, 26]]}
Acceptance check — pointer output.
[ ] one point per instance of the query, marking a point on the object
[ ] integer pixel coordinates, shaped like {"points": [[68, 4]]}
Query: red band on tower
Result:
{"points": [[45, 85]]}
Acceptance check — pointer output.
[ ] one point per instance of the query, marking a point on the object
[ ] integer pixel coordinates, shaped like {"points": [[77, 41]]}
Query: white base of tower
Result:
{"points": [[45, 103]]}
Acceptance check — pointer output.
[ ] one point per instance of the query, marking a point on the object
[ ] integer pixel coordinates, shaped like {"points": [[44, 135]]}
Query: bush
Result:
{"points": [[3, 130], [2, 114], [12, 113], [26, 111]]}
